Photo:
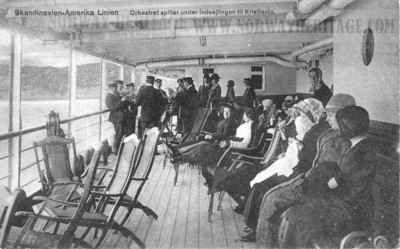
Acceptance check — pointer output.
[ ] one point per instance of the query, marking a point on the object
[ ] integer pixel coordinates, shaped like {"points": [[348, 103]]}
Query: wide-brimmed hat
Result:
{"points": [[215, 76], [339, 101], [311, 107]]}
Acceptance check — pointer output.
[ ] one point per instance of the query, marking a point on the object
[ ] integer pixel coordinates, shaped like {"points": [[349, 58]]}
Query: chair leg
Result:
{"points": [[220, 198], [210, 207], [127, 233], [103, 235], [148, 211], [176, 168]]}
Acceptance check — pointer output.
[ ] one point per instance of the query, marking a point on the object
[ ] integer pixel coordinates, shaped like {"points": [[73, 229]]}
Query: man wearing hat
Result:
{"points": [[249, 97], [215, 92], [214, 99], [152, 103], [319, 89], [130, 113], [204, 90], [158, 85], [189, 102], [230, 92], [114, 103]]}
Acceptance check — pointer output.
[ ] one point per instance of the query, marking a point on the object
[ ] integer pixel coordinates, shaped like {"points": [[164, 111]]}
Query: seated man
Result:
{"points": [[341, 192], [331, 148]]}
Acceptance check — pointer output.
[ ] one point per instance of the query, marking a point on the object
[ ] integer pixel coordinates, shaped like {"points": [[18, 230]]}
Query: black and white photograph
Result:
{"points": [[184, 124]]}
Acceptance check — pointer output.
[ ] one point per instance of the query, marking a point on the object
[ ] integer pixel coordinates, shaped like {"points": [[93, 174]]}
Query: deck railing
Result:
{"points": [[85, 135]]}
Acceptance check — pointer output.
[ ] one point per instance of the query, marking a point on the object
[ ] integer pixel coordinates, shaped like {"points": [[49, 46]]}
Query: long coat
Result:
{"points": [[113, 102], [152, 103], [324, 217]]}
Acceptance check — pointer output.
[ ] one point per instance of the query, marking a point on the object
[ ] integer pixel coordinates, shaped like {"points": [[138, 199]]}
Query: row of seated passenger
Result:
{"points": [[315, 184]]}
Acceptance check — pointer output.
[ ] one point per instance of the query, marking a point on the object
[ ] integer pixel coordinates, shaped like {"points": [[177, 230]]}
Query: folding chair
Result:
{"points": [[29, 237], [57, 174], [226, 161]]}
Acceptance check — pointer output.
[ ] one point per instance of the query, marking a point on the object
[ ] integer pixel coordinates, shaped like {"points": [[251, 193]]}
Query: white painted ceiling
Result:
{"points": [[132, 39]]}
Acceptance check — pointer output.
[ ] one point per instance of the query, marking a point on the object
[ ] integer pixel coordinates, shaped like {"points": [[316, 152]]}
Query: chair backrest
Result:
{"points": [[145, 161], [56, 157], [87, 183], [199, 122], [8, 204], [273, 147], [125, 161]]}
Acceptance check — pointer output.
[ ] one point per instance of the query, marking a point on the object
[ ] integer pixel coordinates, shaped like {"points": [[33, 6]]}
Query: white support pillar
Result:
{"points": [[103, 88], [15, 117], [72, 69], [133, 75], [121, 72]]}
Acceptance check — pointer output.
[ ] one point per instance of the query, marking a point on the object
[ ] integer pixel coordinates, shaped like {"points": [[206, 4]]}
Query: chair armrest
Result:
{"points": [[50, 218], [244, 156], [44, 198], [105, 168], [138, 179], [99, 186], [67, 183], [105, 194]]}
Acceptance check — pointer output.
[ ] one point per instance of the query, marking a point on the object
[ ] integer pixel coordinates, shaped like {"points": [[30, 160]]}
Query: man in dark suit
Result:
{"points": [[130, 112], [214, 99], [114, 103], [319, 89], [189, 101], [152, 105]]}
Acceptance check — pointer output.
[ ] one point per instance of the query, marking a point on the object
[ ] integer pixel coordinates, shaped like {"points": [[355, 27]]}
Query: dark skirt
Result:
{"points": [[253, 203], [237, 183], [204, 154]]}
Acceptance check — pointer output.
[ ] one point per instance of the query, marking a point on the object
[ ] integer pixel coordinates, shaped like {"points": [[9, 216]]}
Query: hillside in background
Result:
{"points": [[47, 83]]}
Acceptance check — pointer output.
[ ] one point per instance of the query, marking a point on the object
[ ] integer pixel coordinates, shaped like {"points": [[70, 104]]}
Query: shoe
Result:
{"points": [[250, 237], [247, 229], [239, 209]]}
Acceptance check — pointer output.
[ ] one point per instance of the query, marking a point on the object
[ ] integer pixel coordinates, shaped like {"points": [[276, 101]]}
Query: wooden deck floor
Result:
{"points": [[182, 211]]}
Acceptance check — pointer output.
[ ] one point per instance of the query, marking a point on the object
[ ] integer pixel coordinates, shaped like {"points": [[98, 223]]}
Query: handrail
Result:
{"points": [[42, 127]]}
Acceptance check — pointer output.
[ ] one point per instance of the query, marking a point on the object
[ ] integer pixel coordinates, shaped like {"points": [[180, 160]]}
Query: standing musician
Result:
{"points": [[214, 99], [189, 101], [204, 90], [130, 112], [114, 103], [152, 106]]}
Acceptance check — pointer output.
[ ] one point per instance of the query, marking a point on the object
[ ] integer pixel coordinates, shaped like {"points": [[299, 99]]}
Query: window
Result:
{"points": [[257, 77], [128, 74], [113, 72]]}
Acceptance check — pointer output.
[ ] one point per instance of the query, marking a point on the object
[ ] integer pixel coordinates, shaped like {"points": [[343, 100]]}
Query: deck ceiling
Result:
{"points": [[133, 39]]}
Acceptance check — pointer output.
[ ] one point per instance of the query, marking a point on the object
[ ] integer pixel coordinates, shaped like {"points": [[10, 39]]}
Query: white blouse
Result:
{"points": [[244, 132]]}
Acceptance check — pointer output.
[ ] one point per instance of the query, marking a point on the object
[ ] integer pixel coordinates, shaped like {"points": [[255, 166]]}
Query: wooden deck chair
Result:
{"points": [[141, 173], [30, 237], [115, 192], [57, 173], [231, 164], [198, 125]]}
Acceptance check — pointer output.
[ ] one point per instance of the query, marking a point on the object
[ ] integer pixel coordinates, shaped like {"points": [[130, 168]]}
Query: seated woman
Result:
{"points": [[339, 193], [309, 125], [207, 153]]}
